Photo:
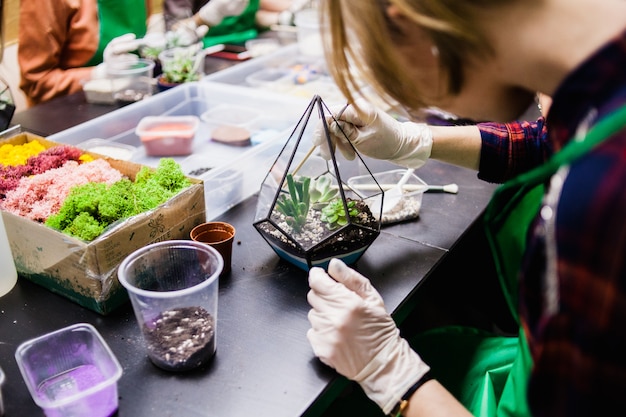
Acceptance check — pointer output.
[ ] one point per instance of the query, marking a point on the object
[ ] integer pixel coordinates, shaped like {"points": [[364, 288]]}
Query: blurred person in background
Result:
{"points": [[280, 12], [228, 21], [7, 105], [61, 42], [231, 21]]}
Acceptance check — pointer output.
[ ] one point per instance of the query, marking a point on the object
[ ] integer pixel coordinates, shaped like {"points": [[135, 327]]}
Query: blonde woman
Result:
{"points": [[556, 226]]}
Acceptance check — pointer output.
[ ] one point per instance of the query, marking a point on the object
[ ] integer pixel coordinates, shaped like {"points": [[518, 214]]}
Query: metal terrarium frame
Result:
{"points": [[306, 211]]}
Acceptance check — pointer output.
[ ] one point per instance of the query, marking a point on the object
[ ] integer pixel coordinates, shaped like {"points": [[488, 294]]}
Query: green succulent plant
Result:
{"points": [[322, 192], [180, 69], [334, 213], [296, 203]]}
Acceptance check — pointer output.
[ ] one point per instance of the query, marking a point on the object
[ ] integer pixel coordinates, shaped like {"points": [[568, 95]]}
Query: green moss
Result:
{"points": [[90, 208], [85, 226], [167, 176], [118, 202], [81, 199]]}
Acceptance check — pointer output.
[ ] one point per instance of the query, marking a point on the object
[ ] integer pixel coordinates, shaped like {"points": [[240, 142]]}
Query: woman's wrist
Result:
{"points": [[198, 20]]}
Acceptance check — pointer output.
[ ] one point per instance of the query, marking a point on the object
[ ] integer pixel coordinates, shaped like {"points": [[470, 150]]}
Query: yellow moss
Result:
{"points": [[12, 155]]}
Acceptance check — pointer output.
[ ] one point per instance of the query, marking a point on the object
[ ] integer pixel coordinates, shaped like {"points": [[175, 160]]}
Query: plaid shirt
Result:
{"points": [[579, 348]]}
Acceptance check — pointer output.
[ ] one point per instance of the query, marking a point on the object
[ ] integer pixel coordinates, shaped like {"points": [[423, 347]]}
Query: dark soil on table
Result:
{"points": [[182, 338]]}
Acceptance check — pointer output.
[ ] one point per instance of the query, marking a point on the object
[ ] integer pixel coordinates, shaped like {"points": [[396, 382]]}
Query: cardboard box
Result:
{"points": [[86, 272]]}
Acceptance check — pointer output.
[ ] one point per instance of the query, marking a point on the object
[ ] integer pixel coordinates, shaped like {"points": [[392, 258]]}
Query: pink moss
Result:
{"points": [[51, 158], [38, 196]]}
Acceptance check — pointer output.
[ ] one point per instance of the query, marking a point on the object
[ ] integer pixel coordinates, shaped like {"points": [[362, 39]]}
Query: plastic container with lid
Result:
{"points": [[108, 148], [231, 124], [167, 135], [410, 203], [231, 115]]}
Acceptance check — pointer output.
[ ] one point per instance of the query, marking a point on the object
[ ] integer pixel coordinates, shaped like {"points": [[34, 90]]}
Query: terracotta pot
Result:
{"points": [[219, 235], [163, 85]]}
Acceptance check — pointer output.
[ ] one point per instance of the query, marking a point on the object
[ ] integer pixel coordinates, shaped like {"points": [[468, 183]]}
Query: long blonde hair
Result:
{"points": [[359, 43]]}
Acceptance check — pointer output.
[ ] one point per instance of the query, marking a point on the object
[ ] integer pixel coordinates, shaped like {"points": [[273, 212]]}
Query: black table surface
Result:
{"points": [[264, 365]]}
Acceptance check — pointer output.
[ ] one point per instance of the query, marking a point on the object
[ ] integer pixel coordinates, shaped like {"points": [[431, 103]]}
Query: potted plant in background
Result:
{"points": [[307, 213], [152, 53], [179, 66]]}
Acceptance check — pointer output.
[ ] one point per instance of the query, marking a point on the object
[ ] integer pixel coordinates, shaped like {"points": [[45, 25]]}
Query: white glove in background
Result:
{"points": [[185, 33], [352, 332], [99, 72], [378, 135], [215, 11], [155, 40], [118, 50]]}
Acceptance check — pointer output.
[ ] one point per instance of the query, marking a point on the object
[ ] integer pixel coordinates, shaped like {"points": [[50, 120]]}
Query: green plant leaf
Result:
{"points": [[296, 203]]}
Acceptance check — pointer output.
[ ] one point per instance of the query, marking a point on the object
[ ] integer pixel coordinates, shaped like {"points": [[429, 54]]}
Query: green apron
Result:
{"points": [[489, 374], [234, 29], [117, 18]]}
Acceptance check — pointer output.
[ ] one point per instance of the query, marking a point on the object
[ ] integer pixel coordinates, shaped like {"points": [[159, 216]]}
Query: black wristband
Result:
{"points": [[404, 402], [425, 378]]}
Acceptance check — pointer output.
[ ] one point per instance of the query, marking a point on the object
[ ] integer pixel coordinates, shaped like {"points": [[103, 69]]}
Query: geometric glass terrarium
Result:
{"points": [[306, 211]]}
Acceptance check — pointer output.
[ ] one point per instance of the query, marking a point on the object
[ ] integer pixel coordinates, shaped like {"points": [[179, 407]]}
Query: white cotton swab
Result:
{"points": [[448, 188]]}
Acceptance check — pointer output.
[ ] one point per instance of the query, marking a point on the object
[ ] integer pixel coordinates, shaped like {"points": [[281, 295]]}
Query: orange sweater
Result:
{"points": [[56, 39]]}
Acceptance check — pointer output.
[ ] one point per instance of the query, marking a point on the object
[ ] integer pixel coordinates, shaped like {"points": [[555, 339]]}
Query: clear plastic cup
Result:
{"points": [[173, 287], [131, 81], [307, 22], [71, 372]]}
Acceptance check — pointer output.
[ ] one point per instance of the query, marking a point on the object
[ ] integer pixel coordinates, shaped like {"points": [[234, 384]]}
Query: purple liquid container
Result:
{"points": [[71, 372]]}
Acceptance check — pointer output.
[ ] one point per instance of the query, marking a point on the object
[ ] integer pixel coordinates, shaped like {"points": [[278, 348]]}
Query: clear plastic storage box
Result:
{"points": [[230, 173]]}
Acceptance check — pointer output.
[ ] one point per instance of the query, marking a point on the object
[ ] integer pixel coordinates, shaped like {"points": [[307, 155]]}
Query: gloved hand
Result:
{"points": [[186, 33], [118, 50], [378, 135], [99, 71], [215, 11], [352, 332], [154, 40]]}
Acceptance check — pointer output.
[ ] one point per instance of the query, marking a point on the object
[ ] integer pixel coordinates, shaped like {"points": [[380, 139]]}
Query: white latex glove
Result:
{"points": [[378, 135], [99, 71], [186, 33], [352, 332], [215, 11], [118, 50], [155, 40]]}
